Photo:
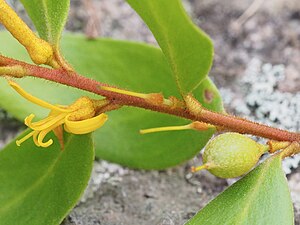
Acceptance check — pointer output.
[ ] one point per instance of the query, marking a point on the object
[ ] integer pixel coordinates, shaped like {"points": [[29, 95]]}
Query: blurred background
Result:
{"points": [[257, 70]]}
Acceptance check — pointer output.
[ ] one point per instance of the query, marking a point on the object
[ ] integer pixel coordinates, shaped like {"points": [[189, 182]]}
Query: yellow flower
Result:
{"points": [[78, 118]]}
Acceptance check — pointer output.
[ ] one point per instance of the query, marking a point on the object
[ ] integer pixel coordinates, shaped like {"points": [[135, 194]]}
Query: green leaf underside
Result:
{"points": [[48, 16], [136, 67], [40, 186], [261, 197], [188, 49]]}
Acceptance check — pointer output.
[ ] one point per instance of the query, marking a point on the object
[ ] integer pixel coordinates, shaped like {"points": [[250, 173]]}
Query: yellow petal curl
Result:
{"points": [[45, 123], [41, 136], [85, 126], [43, 133]]}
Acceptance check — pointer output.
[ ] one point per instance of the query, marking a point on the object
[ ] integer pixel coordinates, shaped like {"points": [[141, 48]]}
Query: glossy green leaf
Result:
{"points": [[188, 49], [261, 197], [40, 186], [48, 16], [136, 67]]}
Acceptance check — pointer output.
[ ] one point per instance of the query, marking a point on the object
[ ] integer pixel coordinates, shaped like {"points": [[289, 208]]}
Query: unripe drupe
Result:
{"points": [[231, 155]]}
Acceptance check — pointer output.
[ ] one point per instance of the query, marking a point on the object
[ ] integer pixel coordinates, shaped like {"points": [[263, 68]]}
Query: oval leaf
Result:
{"points": [[136, 67], [188, 49], [40, 186], [48, 16], [261, 197]]}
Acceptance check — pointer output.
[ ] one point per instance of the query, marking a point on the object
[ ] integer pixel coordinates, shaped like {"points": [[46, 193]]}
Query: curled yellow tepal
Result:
{"points": [[78, 118]]}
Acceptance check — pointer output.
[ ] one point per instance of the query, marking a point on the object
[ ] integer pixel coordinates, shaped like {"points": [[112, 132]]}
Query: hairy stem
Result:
{"points": [[226, 122]]}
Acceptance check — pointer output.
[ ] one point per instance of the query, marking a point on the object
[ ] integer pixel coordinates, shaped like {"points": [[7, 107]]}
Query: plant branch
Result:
{"points": [[226, 122]]}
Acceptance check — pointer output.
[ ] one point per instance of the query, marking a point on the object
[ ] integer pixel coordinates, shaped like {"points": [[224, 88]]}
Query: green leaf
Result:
{"points": [[48, 16], [136, 67], [40, 186], [261, 197], [188, 49]]}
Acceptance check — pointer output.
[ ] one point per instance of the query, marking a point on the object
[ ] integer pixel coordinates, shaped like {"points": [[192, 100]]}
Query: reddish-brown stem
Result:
{"points": [[227, 122], [244, 126]]}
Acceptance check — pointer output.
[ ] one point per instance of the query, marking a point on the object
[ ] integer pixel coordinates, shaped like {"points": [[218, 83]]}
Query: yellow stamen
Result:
{"points": [[44, 132], [48, 122], [41, 137], [20, 141], [28, 120]]}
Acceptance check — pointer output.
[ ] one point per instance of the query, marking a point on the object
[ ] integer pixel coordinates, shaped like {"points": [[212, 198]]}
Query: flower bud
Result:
{"points": [[40, 51]]}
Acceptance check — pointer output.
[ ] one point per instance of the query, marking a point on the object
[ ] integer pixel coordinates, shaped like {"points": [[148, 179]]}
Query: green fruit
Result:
{"points": [[231, 155]]}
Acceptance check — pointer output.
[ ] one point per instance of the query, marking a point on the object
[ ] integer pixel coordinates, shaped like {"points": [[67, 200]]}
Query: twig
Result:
{"points": [[227, 122]]}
